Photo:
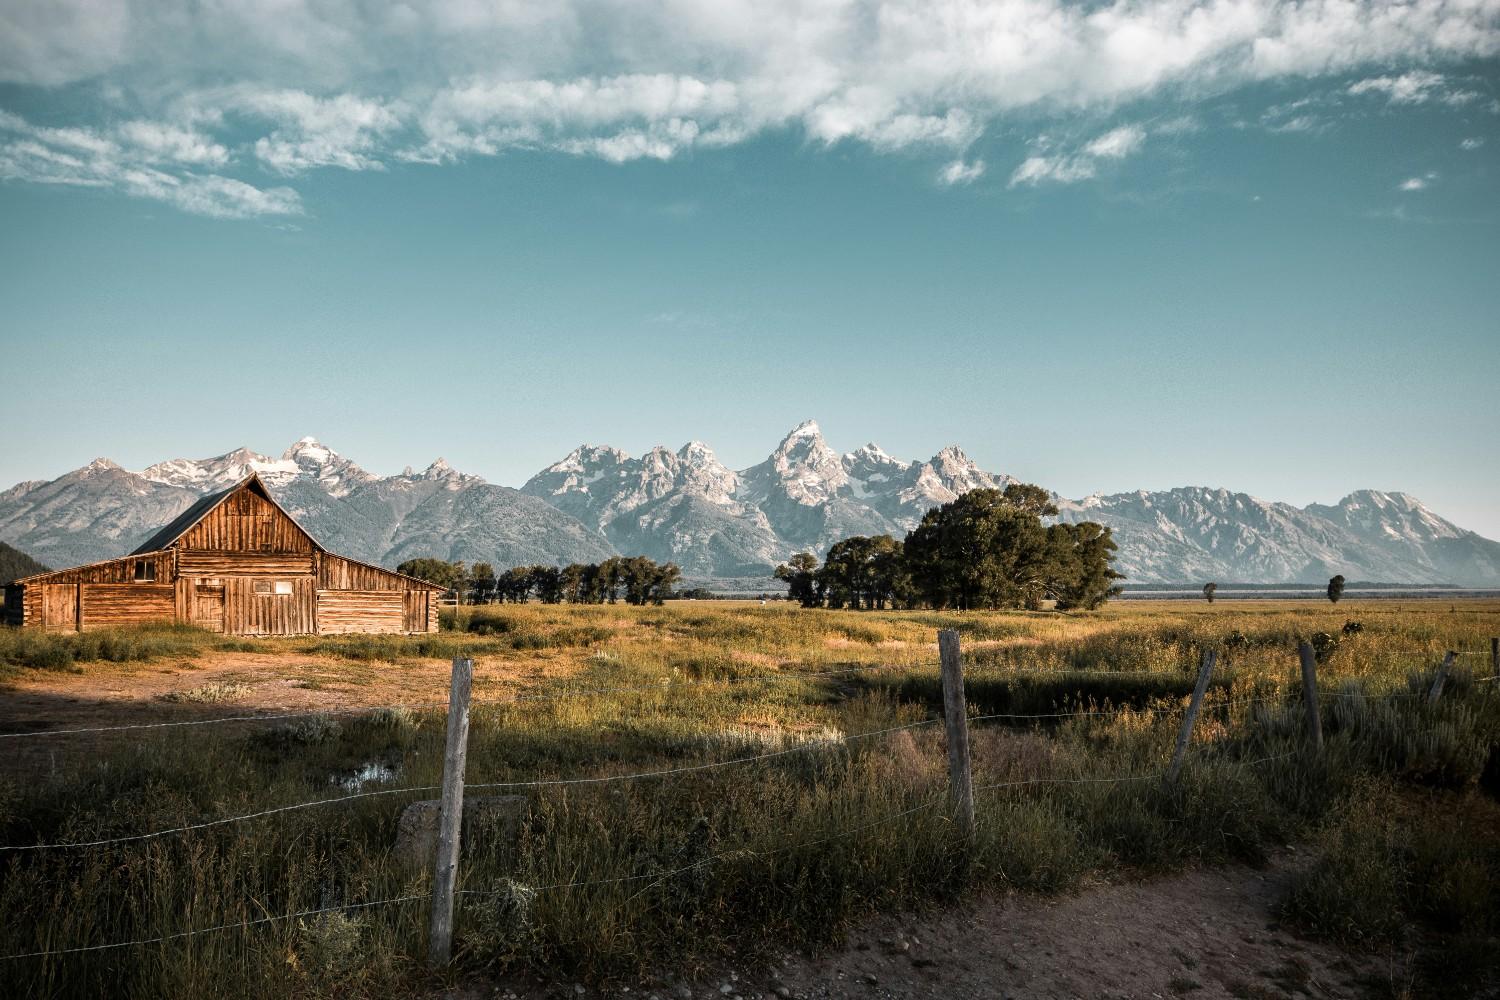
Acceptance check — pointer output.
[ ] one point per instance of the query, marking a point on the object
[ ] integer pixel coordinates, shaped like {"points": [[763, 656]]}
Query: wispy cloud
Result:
{"points": [[1472, 143], [142, 159], [1417, 87], [1418, 183], [1068, 168], [961, 172], [355, 86]]}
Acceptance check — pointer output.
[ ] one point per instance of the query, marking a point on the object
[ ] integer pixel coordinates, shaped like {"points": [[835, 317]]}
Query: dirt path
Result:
{"points": [[1206, 934]]}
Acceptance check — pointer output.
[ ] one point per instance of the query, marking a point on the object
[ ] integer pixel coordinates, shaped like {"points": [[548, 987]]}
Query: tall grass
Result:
{"points": [[682, 870]]}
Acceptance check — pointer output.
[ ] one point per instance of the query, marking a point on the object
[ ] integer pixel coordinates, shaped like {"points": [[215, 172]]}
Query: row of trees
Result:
{"points": [[635, 579], [987, 549]]}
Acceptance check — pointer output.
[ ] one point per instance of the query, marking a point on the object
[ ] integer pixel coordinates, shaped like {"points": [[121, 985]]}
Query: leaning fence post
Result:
{"points": [[1441, 678], [1310, 696], [956, 720], [1186, 732], [445, 870]]}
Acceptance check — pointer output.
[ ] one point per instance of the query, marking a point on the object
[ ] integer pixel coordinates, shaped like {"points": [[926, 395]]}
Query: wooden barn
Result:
{"points": [[233, 562]]}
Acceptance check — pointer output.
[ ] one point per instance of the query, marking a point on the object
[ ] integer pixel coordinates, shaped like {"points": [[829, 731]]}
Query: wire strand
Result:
{"points": [[218, 927]]}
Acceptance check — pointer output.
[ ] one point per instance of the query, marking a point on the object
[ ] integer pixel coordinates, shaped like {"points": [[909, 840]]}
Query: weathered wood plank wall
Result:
{"points": [[249, 613], [246, 522]]}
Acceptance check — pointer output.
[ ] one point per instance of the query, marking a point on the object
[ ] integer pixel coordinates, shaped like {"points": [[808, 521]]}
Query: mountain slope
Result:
{"points": [[688, 507], [102, 511], [15, 564]]}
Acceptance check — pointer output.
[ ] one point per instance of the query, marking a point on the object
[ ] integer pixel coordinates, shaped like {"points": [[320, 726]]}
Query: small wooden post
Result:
{"points": [[1310, 696], [1495, 657], [956, 720], [1186, 732], [1441, 678], [445, 870]]}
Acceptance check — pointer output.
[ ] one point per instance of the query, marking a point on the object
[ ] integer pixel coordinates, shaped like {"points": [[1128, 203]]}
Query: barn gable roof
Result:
{"points": [[184, 522]]}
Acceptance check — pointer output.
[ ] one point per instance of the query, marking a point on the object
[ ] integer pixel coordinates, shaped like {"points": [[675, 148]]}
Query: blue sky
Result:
{"points": [[1103, 247]]}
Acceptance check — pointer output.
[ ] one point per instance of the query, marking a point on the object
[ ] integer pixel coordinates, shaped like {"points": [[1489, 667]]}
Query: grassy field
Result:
{"points": [[618, 879]]}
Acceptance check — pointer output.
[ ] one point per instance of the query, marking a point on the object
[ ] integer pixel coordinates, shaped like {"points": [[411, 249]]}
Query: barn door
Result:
{"points": [[208, 605], [414, 611], [60, 606]]}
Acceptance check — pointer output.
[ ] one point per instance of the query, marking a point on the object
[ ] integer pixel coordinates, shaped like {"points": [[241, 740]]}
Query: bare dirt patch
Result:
{"points": [[105, 694], [1206, 934]]}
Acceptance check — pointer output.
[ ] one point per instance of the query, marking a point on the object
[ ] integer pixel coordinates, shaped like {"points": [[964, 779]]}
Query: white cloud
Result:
{"points": [[1116, 143], [1063, 168], [1418, 183], [321, 83], [961, 172], [163, 142], [1416, 87], [343, 131], [1472, 143], [137, 164]]}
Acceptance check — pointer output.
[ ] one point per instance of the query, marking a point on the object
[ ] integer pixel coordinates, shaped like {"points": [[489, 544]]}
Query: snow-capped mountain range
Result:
{"points": [[715, 522]]}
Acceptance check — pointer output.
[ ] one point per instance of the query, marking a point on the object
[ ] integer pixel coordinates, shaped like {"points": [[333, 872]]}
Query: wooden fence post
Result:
{"points": [[1186, 732], [1310, 696], [450, 819], [1495, 657], [1441, 678], [956, 720]]}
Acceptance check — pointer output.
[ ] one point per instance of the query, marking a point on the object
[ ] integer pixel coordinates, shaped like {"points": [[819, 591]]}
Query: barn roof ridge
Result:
{"points": [[168, 534]]}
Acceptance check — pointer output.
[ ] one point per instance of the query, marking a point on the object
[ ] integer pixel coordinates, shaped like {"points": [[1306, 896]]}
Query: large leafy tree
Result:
{"points": [[482, 582], [1336, 588], [989, 549], [979, 551], [1078, 568], [438, 571], [861, 572], [800, 583]]}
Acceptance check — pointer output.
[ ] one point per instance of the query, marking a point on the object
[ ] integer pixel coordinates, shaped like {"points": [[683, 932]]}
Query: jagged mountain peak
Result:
{"points": [[686, 506], [808, 428], [697, 453]]}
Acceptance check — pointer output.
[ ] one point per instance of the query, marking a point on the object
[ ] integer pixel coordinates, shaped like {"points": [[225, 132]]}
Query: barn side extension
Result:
{"points": [[233, 562]]}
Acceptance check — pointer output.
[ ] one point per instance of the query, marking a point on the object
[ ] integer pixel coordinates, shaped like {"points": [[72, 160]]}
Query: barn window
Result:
{"points": [[145, 571], [281, 588]]}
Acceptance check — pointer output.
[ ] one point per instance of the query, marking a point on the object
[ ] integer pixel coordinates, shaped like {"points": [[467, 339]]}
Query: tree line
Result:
{"points": [[986, 549], [634, 579]]}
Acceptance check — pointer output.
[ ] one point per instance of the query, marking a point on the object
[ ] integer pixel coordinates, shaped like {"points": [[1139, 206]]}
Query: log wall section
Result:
{"points": [[365, 611], [106, 605], [210, 563]]}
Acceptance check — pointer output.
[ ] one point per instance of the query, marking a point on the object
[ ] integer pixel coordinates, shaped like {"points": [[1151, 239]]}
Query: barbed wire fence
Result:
{"points": [[955, 718]]}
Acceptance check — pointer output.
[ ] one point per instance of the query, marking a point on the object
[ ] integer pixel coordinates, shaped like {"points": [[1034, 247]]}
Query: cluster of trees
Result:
{"points": [[987, 549], [636, 580]]}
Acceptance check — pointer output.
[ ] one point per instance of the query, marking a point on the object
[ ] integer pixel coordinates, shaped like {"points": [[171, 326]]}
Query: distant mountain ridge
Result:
{"points": [[688, 507]]}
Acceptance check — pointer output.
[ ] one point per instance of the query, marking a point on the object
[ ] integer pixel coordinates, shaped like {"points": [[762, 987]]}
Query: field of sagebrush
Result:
{"points": [[830, 802]]}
